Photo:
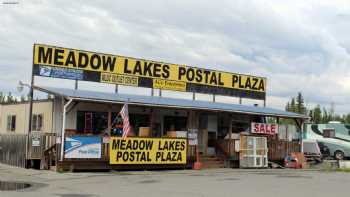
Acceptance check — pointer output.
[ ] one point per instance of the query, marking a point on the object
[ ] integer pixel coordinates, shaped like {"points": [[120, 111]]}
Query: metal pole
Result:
{"points": [[193, 96], [116, 89], [240, 100], [76, 84], [63, 126], [31, 94], [160, 92], [214, 98]]}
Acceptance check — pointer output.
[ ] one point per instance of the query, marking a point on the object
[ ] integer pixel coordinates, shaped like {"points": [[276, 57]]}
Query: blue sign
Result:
{"points": [[77, 147], [64, 73]]}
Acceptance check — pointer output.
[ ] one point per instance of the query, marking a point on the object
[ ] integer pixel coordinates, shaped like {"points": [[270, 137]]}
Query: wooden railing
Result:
{"points": [[226, 147], [279, 149]]}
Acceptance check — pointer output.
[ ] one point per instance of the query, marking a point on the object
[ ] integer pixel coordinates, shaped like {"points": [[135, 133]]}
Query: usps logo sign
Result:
{"points": [[79, 147], [263, 128]]}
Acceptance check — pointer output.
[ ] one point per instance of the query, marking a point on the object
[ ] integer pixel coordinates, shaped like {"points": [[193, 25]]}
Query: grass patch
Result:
{"points": [[343, 170]]}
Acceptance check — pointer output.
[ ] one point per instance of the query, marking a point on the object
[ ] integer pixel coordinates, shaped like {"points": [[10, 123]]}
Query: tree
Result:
{"points": [[317, 114], [300, 105], [292, 106]]}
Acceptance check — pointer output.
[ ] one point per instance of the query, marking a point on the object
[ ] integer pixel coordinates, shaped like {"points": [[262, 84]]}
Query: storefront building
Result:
{"points": [[165, 132]]}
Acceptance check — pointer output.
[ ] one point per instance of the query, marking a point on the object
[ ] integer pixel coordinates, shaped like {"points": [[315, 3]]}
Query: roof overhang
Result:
{"points": [[155, 101]]}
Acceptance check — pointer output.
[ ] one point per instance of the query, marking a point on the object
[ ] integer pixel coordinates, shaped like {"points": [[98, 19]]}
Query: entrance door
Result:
{"points": [[253, 152]]}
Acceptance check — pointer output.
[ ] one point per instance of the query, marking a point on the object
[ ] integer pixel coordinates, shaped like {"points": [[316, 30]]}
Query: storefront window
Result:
{"points": [[92, 122]]}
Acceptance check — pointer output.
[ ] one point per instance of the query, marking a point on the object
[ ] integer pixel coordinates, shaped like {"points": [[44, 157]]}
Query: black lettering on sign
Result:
{"points": [[108, 62], [137, 68], [220, 80], [183, 145], [179, 157], [234, 80], [248, 84], [58, 57], [132, 156], [126, 70], [190, 74], [207, 73], [199, 76], [157, 70], [166, 72], [45, 57], [182, 72], [115, 144], [95, 61], [119, 155], [147, 69], [255, 83], [213, 79], [125, 156], [83, 60], [261, 85], [240, 85], [71, 59], [158, 155]]}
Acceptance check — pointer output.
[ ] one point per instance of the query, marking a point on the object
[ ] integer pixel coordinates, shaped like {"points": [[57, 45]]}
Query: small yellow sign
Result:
{"points": [[135, 150], [169, 85], [119, 79]]}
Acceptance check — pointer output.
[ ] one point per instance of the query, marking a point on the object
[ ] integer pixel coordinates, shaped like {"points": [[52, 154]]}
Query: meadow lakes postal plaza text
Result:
{"points": [[112, 64]]}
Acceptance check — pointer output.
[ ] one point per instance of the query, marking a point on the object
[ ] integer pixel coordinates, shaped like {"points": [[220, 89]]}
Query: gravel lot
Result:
{"points": [[218, 182]]}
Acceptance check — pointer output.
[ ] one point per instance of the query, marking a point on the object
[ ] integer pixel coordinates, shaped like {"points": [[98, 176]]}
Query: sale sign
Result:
{"points": [[263, 128]]}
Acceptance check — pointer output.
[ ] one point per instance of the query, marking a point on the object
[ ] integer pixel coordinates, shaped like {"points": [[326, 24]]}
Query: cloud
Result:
{"points": [[298, 45]]}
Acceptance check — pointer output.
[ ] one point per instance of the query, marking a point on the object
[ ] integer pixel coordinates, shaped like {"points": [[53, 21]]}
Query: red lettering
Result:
{"points": [[256, 128], [273, 129], [262, 128]]}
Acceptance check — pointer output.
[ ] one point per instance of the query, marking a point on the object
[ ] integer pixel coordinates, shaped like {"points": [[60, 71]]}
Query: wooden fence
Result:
{"points": [[279, 149], [13, 149]]}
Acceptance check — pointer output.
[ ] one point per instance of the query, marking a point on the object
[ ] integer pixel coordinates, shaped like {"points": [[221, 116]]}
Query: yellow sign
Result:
{"points": [[146, 73], [135, 150], [119, 79], [169, 85]]}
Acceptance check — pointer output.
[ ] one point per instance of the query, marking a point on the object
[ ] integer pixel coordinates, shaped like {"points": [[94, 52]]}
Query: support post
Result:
{"points": [[63, 126], [109, 126], [116, 89], [193, 96], [76, 85], [31, 95], [214, 98], [230, 134], [240, 100]]}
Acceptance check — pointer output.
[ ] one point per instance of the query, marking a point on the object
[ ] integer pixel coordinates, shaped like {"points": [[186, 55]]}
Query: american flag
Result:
{"points": [[124, 113]]}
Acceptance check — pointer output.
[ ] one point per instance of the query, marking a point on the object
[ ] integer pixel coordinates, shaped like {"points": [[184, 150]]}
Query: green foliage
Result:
{"points": [[317, 114], [297, 105]]}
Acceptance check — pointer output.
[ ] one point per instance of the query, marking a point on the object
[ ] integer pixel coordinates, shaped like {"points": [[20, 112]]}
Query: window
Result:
{"points": [[11, 123], [37, 122], [328, 133], [92, 122]]}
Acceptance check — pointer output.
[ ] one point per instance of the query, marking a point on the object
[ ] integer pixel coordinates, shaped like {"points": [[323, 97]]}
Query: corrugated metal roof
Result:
{"points": [[167, 102]]}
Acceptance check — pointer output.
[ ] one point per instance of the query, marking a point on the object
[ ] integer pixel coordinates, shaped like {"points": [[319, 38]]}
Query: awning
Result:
{"points": [[156, 101]]}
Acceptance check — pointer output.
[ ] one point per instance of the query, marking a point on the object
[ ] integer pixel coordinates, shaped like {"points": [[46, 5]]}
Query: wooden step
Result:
{"points": [[211, 162]]}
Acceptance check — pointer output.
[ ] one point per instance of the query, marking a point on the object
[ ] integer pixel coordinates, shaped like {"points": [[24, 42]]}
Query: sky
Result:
{"points": [[299, 45]]}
